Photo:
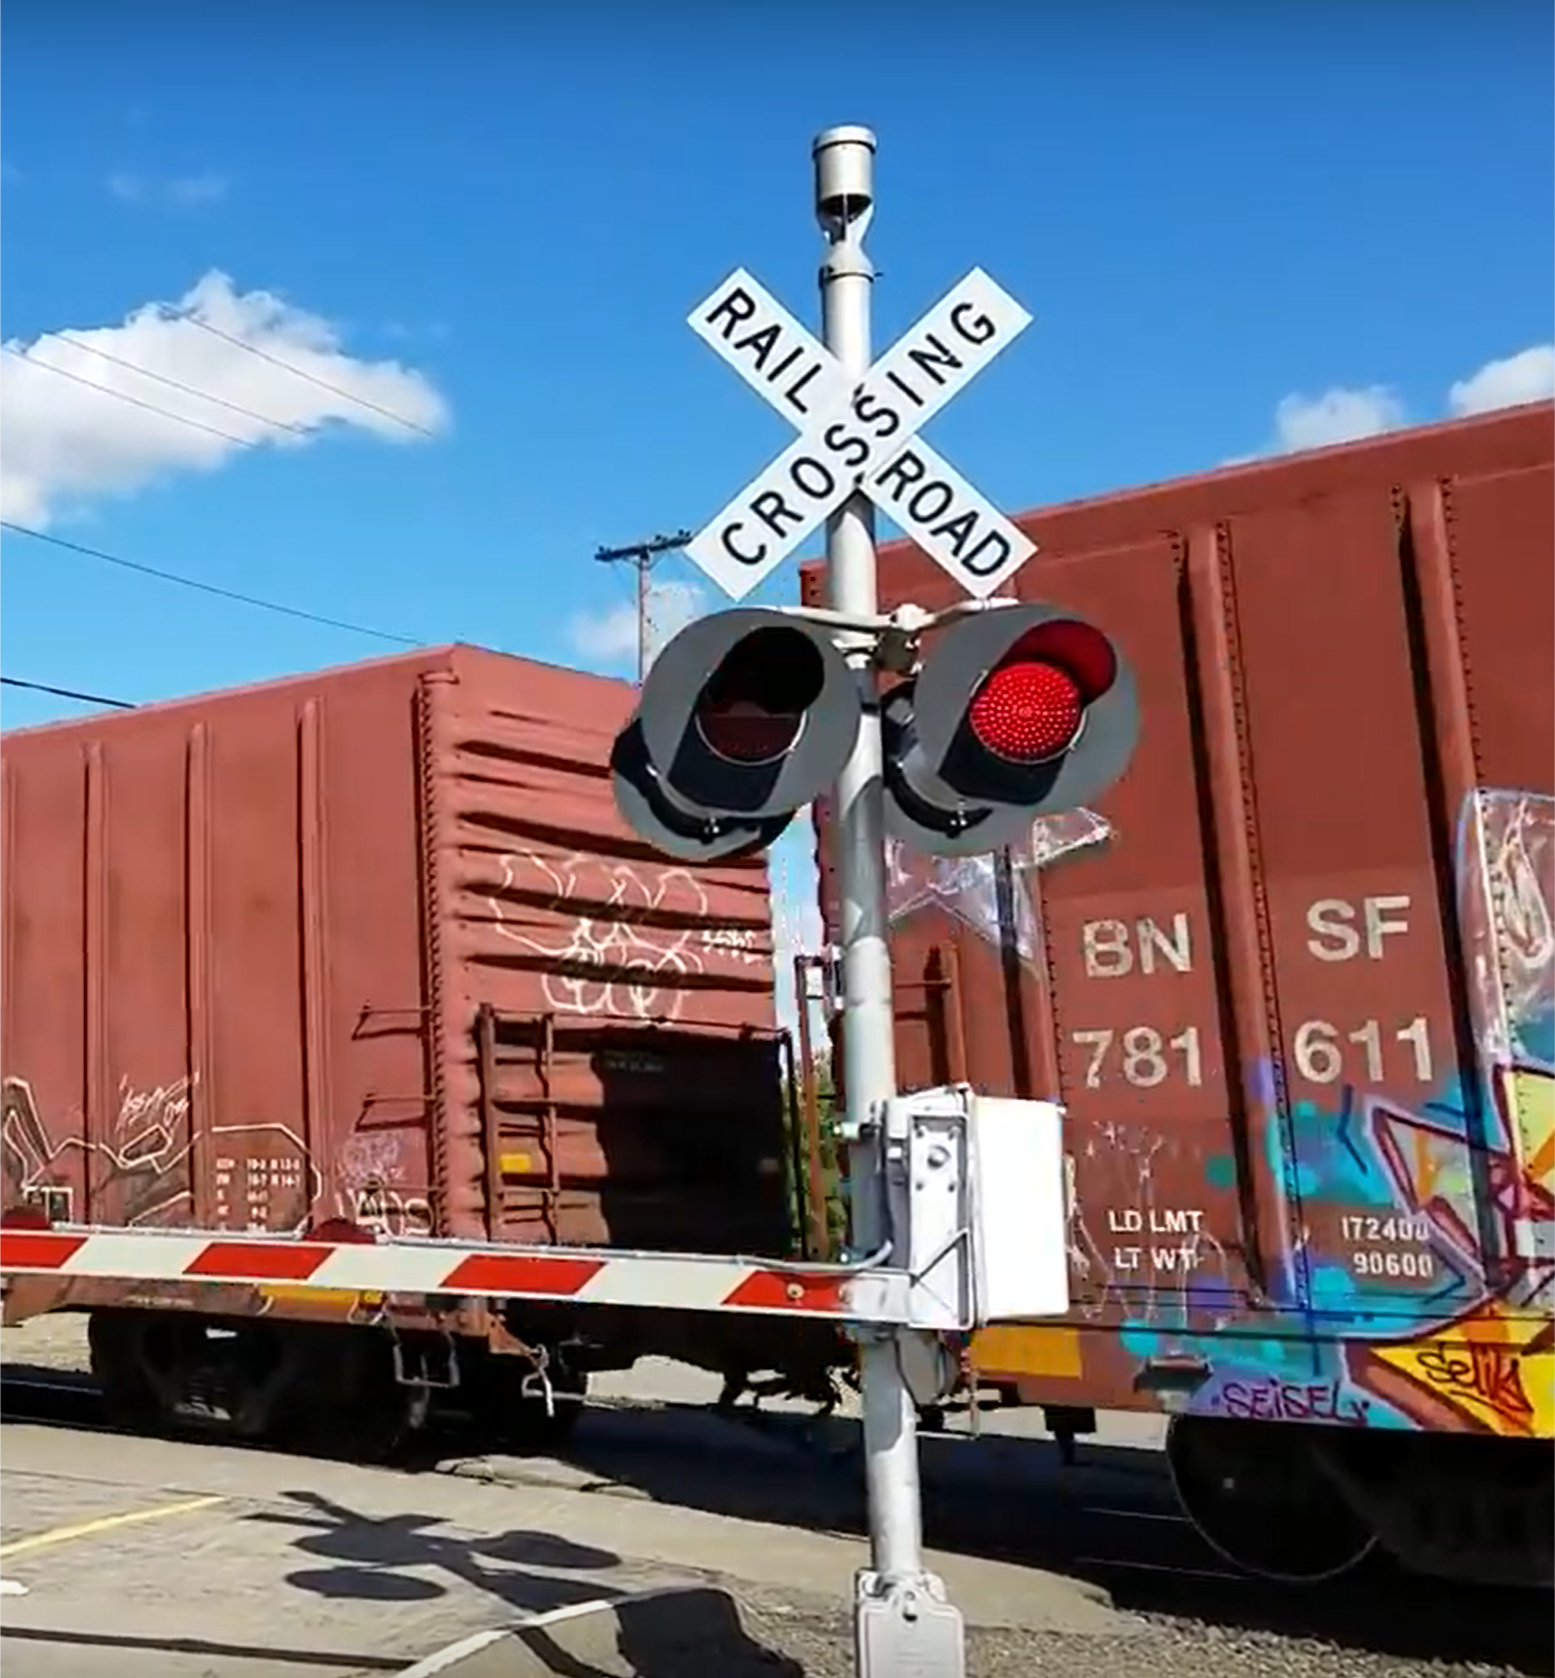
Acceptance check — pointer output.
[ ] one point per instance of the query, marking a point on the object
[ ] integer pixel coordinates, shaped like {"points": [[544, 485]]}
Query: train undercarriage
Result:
{"points": [[1303, 1504], [1286, 1502], [364, 1391], [358, 1392]]}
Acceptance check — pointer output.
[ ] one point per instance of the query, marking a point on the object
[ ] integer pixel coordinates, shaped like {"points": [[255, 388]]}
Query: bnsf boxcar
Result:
{"points": [[1295, 981], [372, 945]]}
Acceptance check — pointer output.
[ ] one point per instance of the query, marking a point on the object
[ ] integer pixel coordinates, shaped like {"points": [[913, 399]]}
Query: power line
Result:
{"points": [[208, 588], [178, 384], [66, 693], [303, 373], [207, 396], [134, 401]]}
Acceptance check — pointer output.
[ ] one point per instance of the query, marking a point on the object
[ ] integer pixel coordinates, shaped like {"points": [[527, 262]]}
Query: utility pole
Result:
{"points": [[749, 715], [902, 1619], [642, 557]]}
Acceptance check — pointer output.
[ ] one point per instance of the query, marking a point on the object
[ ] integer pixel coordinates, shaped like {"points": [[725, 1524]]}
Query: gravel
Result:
{"points": [[55, 1342], [810, 1640]]}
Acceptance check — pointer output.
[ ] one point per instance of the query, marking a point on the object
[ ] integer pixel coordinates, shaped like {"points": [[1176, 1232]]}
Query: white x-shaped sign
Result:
{"points": [[859, 435]]}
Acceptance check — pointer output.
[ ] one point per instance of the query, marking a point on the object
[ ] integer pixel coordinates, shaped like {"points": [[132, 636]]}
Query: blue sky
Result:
{"points": [[1210, 209]]}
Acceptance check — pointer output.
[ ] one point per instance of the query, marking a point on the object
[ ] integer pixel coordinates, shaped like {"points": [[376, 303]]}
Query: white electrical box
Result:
{"points": [[1018, 1208], [978, 1188]]}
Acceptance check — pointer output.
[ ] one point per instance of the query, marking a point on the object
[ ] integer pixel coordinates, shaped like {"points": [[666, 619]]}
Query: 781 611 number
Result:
{"points": [[1141, 1054]]}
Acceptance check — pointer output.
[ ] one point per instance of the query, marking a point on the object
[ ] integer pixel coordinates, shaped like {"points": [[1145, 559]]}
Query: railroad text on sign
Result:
{"points": [[859, 438]]}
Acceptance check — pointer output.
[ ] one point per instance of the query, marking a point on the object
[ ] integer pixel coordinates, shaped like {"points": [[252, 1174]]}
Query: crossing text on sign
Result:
{"points": [[859, 440]]}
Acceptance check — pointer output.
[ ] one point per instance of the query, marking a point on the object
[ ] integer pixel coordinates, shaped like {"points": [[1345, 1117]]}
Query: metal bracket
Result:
{"points": [[903, 1626], [908, 618]]}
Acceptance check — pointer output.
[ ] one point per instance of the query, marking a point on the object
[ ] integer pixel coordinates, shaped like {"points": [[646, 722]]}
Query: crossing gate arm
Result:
{"points": [[667, 1281], [976, 1218]]}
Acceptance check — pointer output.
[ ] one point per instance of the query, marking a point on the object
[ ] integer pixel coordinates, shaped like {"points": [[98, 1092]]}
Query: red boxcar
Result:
{"points": [[1294, 978], [373, 944]]}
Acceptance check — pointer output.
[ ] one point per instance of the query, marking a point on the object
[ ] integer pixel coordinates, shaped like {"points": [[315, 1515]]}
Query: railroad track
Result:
{"points": [[1112, 1520], [59, 1397]]}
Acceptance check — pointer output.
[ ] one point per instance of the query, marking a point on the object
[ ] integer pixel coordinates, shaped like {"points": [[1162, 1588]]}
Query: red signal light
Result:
{"points": [[1026, 711], [1013, 714], [1031, 705]]}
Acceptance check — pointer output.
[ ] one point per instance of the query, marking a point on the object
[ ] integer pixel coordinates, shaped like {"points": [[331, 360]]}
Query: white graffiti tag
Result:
{"points": [[141, 1169], [634, 936], [1506, 866]]}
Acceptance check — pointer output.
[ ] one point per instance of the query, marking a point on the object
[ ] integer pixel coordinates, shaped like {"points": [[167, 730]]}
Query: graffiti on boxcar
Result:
{"points": [[140, 1172], [140, 1167], [391, 1212], [638, 933], [371, 1188], [1272, 1400], [1424, 1226], [147, 1152], [1142, 1244]]}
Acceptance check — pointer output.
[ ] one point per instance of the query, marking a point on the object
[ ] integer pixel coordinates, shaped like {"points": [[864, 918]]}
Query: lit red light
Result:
{"points": [[1027, 711]]}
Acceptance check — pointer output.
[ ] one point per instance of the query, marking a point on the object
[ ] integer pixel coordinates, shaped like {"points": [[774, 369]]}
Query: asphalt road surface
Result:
{"points": [[178, 1560]]}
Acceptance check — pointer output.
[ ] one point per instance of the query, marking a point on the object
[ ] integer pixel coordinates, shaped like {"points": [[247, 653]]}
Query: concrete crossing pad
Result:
{"points": [[690, 1629]]}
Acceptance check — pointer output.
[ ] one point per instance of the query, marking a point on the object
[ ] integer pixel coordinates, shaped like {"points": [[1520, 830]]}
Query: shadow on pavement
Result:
{"points": [[1111, 1519], [396, 1558], [999, 1496], [203, 1648], [670, 1636], [654, 1635]]}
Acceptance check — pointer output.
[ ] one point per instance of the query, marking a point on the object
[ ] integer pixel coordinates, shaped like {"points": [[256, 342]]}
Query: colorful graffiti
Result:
{"points": [[1449, 1322]]}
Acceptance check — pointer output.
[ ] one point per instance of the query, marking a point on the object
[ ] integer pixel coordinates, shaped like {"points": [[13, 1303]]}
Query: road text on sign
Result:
{"points": [[859, 437]]}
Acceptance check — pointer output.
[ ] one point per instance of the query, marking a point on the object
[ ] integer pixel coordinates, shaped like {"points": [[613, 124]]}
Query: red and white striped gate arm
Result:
{"points": [[668, 1281]]}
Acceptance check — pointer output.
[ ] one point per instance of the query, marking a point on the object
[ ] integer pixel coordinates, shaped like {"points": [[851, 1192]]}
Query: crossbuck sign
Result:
{"points": [[859, 436]]}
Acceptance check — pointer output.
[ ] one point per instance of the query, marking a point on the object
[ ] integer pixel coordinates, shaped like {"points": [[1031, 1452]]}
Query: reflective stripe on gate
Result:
{"points": [[687, 1282]]}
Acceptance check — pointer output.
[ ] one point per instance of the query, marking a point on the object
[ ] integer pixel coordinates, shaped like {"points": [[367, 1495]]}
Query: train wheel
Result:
{"points": [[345, 1401], [122, 1370], [1260, 1500]]}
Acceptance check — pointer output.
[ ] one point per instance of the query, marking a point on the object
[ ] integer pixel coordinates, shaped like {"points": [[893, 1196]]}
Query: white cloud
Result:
{"points": [[70, 440], [610, 637], [1343, 415], [179, 191], [1528, 376], [1337, 416]]}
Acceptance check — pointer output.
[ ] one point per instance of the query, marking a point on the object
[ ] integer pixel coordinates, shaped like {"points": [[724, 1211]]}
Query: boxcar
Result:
{"points": [[1293, 980], [373, 946]]}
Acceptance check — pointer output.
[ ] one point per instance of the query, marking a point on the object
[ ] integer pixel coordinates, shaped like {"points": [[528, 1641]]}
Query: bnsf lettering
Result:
{"points": [[1113, 948], [1341, 931]]}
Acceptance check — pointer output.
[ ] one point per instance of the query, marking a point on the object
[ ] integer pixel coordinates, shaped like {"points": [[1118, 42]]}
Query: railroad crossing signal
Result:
{"points": [[745, 716], [859, 436], [749, 714], [1014, 715]]}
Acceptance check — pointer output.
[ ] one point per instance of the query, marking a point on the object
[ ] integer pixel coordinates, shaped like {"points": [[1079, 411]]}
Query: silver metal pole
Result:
{"points": [[896, 1582]]}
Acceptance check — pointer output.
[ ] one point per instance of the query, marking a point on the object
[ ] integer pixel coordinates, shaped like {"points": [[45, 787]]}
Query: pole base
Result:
{"points": [[905, 1627]]}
